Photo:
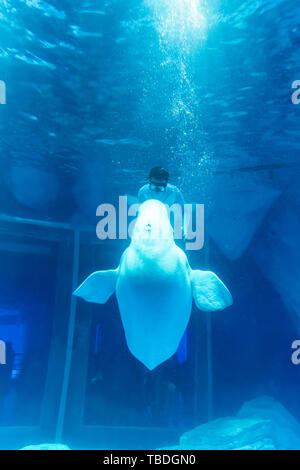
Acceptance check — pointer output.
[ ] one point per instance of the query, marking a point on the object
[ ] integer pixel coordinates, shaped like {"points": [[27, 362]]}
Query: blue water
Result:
{"points": [[98, 93]]}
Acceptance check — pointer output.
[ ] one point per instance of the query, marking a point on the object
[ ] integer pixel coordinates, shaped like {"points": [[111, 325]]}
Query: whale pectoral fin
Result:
{"points": [[209, 291], [98, 287]]}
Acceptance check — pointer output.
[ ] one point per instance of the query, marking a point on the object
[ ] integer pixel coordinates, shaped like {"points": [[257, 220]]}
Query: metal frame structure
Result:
{"points": [[64, 396]]}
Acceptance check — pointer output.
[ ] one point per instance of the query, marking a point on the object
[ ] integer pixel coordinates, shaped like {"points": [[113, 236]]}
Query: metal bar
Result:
{"points": [[210, 411], [250, 169], [69, 351], [25, 248], [43, 223]]}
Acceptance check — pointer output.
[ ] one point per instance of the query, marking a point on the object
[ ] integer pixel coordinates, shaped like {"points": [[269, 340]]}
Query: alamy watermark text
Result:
{"points": [[188, 222], [2, 92], [296, 353], [2, 353], [296, 94]]}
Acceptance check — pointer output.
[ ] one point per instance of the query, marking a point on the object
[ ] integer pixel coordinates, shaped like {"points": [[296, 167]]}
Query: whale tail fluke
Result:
{"points": [[209, 292], [98, 287]]}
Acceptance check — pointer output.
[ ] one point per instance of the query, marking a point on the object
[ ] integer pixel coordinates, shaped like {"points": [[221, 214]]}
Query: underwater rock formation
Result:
{"points": [[277, 249], [46, 447], [33, 187], [261, 424], [285, 429], [239, 207]]}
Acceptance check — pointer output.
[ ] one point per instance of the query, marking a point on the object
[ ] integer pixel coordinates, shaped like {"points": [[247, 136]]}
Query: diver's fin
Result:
{"points": [[98, 287], [209, 291]]}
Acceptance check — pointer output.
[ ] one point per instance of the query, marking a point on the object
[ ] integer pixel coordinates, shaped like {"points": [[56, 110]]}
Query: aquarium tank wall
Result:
{"points": [[94, 94]]}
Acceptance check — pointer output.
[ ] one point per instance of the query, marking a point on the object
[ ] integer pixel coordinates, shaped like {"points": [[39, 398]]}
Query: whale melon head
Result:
{"points": [[152, 230]]}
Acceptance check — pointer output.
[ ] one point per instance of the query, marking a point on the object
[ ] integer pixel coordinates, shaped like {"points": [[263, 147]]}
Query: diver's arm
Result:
{"points": [[141, 195]]}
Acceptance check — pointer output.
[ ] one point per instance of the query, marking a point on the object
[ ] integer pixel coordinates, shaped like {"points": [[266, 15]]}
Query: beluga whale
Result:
{"points": [[155, 287]]}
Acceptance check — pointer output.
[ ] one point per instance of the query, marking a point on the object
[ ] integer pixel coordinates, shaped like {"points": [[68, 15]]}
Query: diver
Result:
{"points": [[159, 188]]}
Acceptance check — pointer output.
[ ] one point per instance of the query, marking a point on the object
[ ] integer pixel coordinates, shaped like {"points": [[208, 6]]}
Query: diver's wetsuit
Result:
{"points": [[171, 195]]}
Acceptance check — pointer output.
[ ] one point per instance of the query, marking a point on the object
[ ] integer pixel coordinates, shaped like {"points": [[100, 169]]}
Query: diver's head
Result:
{"points": [[158, 179]]}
